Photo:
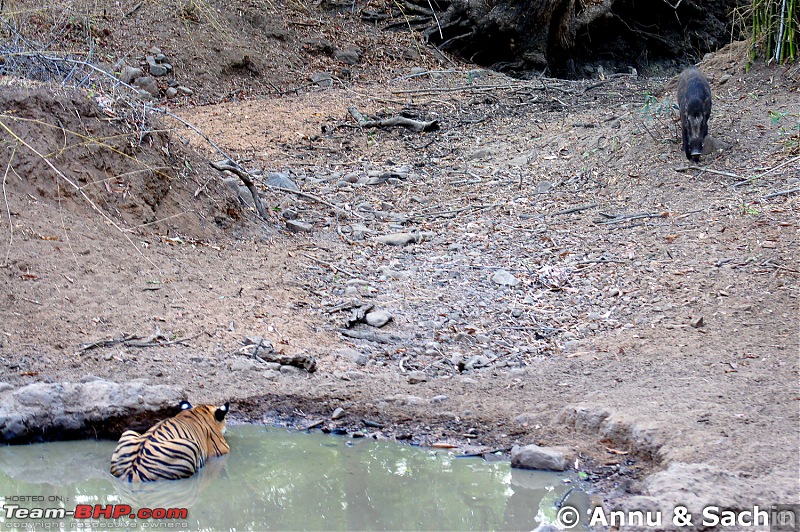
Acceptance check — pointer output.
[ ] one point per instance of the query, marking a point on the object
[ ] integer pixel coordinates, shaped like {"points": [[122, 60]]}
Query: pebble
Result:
{"points": [[544, 187], [439, 399], [290, 370], [378, 318], [505, 278], [185, 90], [348, 56], [322, 79], [171, 92], [338, 413], [397, 239]]}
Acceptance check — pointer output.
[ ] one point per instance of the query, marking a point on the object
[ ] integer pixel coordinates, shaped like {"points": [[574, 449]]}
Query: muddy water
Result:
{"points": [[274, 479]]}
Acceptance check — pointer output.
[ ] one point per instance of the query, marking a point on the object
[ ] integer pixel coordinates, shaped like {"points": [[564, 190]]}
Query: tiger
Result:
{"points": [[172, 448]]}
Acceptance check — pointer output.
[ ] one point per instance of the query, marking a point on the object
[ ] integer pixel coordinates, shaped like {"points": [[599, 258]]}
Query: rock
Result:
{"points": [[338, 413], [348, 56], [289, 214], [45, 412], [535, 457], [322, 79], [243, 364], [185, 90], [128, 74], [505, 278], [281, 180], [171, 92], [154, 50], [698, 322], [439, 399], [296, 226], [158, 70], [144, 95], [148, 84], [398, 239], [378, 318], [544, 187], [417, 377]]}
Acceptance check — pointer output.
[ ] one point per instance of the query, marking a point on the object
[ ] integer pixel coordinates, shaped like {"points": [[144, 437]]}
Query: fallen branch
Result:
{"points": [[414, 125], [781, 193], [246, 178], [575, 209]]}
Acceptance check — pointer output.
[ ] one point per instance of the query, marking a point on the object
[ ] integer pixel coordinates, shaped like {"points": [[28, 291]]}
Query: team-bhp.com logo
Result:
{"points": [[93, 511]]}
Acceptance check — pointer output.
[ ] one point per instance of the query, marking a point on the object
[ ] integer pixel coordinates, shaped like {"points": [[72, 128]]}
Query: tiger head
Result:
{"points": [[209, 412]]}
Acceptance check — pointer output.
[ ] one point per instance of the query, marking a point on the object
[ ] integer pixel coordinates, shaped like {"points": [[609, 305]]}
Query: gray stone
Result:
{"points": [[171, 92], [378, 318], [544, 187], [439, 399], [417, 377], [44, 410], [281, 180], [158, 70], [290, 370], [185, 90], [129, 73], [148, 84], [338, 413], [505, 278], [296, 226], [161, 58], [481, 153], [154, 50], [289, 214], [348, 56], [535, 457], [322, 79]]}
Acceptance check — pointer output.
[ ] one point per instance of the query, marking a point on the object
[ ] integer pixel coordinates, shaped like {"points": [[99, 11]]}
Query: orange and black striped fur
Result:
{"points": [[173, 448]]}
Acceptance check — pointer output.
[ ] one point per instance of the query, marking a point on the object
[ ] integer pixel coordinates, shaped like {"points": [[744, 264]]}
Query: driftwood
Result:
{"points": [[414, 125]]}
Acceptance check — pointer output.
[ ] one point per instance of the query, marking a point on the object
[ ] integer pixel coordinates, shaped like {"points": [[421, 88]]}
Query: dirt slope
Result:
{"points": [[599, 344]]}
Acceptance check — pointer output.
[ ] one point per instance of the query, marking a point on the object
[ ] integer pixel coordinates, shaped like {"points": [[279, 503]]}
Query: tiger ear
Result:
{"points": [[219, 415], [186, 405]]}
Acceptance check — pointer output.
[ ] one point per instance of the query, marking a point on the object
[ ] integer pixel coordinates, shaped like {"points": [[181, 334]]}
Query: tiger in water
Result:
{"points": [[173, 448]]}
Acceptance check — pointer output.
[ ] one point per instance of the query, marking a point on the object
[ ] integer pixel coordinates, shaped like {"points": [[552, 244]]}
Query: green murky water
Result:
{"points": [[277, 480]]}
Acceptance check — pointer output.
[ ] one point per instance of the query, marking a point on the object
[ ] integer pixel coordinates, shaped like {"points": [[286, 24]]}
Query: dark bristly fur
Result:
{"points": [[694, 102], [173, 448]]}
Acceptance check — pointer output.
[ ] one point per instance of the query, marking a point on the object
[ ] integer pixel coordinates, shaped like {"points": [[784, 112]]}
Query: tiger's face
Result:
{"points": [[215, 414]]}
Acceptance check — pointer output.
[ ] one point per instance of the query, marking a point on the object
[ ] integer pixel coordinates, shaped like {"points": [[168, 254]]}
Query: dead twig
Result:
{"points": [[618, 218]]}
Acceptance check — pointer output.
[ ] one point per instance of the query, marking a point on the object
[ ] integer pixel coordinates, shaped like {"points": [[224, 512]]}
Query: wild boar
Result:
{"points": [[694, 102]]}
